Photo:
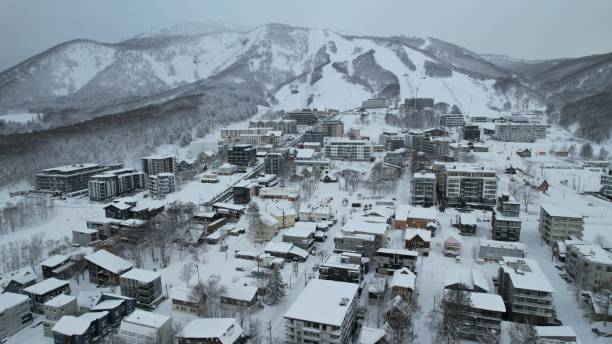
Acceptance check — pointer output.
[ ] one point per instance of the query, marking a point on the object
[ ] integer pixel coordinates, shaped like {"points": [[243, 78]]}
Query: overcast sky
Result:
{"points": [[533, 29]]}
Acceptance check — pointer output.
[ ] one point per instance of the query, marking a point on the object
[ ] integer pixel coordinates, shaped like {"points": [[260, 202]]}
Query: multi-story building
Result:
{"points": [[72, 330], [152, 165], [325, 312], [303, 117], [105, 268], [161, 184], [492, 250], [559, 223], [143, 327], [466, 183], [70, 178], [241, 155], [436, 147], [274, 163], [391, 141], [419, 103], [520, 132], [143, 285], [342, 268], [526, 291], [46, 290], [423, 189], [375, 103], [14, 313], [363, 244], [471, 133], [211, 331], [389, 260], [452, 120], [589, 265], [342, 148], [286, 126], [115, 183], [56, 308], [313, 136], [505, 223], [606, 184], [481, 314], [332, 127]]}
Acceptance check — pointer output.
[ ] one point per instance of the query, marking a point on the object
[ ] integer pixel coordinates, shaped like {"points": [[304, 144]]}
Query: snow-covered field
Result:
{"points": [[20, 117]]}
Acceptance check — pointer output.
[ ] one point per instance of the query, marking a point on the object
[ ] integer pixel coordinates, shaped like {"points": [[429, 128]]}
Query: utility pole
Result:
{"points": [[270, 330]]}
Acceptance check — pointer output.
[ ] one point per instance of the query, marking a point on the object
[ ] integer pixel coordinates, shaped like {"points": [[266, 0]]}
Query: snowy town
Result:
{"points": [[322, 226]]}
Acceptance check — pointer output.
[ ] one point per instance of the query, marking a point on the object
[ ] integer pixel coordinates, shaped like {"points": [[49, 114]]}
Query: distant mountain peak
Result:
{"points": [[192, 28]]}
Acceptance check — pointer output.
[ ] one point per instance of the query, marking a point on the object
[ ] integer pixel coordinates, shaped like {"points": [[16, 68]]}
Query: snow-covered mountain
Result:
{"points": [[326, 69]]}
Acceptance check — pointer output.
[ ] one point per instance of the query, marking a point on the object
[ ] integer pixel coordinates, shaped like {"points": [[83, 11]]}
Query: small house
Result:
{"points": [[403, 283], [211, 330], [183, 300], [58, 266], [105, 268], [417, 240], [239, 295], [452, 245]]}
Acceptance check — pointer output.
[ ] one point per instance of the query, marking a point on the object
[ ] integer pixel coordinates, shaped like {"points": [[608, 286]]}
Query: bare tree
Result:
{"points": [[526, 195], [523, 334], [208, 296], [586, 151], [450, 328], [186, 273]]}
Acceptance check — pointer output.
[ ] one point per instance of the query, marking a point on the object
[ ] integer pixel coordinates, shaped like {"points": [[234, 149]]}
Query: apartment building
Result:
{"points": [[520, 132], [466, 183], [559, 223], [471, 133], [143, 285], [492, 250], [270, 137], [391, 140], [606, 184], [152, 165], [423, 189], [105, 268], [389, 260], [419, 103], [46, 290], [70, 178], [434, 147], [343, 148], [526, 291], [375, 103], [313, 136], [589, 265], [274, 163], [142, 327], [452, 120], [286, 126], [342, 268], [242, 155], [115, 183], [233, 135], [56, 308], [363, 244], [303, 117], [14, 313], [483, 313], [505, 223], [325, 312], [332, 127], [161, 184]]}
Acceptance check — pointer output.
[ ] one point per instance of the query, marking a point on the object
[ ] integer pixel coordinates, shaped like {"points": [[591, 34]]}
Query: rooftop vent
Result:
{"points": [[344, 301]]}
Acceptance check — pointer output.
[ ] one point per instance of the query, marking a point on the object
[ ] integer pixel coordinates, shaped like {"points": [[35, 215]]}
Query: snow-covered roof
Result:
{"points": [[181, 294], [285, 248], [371, 335], [468, 219], [227, 330], [70, 168], [54, 261], [335, 260], [88, 299], [71, 326], [119, 205], [9, 300], [414, 232], [358, 226], [526, 274], [45, 286], [489, 302], [423, 213], [397, 251], [593, 253], [306, 153], [302, 229], [559, 211], [403, 278], [84, 230], [92, 316], [323, 301], [107, 304], [240, 292], [231, 206], [555, 331], [109, 261], [470, 278], [142, 275], [401, 212], [453, 236], [60, 300], [502, 244], [143, 322]]}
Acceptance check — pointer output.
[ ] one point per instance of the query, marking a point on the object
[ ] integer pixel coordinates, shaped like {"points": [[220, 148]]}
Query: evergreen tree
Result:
{"points": [[275, 287]]}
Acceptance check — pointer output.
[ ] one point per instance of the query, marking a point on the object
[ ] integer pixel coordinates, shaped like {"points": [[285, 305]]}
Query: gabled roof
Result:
{"points": [[46, 286], [54, 261], [9, 300], [109, 261], [403, 278], [226, 330], [411, 233]]}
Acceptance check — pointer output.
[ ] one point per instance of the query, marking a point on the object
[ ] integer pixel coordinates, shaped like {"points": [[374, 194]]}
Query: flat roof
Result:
{"points": [[555, 331], [354, 225], [60, 300], [397, 251], [423, 213], [502, 244], [70, 325], [559, 211], [71, 168], [142, 275], [489, 302], [593, 253], [526, 274], [9, 300], [144, 318], [324, 302], [54, 261]]}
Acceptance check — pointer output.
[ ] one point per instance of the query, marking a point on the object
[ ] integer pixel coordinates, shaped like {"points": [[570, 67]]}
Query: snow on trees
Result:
{"points": [[275, 286]]}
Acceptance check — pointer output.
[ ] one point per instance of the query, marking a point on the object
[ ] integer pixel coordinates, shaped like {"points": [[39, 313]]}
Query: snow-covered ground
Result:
{"points": [[20, 117]]}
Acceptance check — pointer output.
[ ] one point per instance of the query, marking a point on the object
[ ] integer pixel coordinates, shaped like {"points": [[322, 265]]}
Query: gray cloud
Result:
{"points": [[521, 28]]}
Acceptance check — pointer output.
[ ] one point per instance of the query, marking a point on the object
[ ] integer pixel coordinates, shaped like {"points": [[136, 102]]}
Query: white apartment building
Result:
{"points": [[606, 184], [161, 185], [520, 132], [526, 291], [423, 189], [467, 183], [343, 148], [589, 265], [143, 327], [325, 312], [152, 165], [559, 223]]}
